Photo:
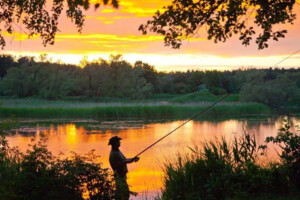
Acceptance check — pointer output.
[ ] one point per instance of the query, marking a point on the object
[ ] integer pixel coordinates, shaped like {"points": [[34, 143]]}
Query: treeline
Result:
{"points": [[116, 78]]}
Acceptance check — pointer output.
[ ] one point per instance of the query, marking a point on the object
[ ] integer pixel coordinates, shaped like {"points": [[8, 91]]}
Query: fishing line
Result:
{"points": [[213, 104]]}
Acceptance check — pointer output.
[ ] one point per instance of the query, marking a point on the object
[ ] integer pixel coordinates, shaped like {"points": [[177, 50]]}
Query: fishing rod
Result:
{"points": [[212, 105]]}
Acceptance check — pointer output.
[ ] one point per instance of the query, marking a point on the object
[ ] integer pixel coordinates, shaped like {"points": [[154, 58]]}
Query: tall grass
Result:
{"points": [[117, 111], [222, 170]]}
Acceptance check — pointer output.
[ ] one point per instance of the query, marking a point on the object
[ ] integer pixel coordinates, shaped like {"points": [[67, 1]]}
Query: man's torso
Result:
{"points": [[118, 163]]}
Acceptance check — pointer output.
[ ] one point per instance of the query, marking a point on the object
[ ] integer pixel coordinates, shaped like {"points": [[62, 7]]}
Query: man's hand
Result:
{"points": [[135, 159]]}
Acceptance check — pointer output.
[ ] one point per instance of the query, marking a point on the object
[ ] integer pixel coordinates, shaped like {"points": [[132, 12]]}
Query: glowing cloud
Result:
{"points": [[115, 31]]}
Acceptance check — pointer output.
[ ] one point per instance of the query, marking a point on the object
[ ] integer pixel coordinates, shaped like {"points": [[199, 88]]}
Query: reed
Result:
{"points": [[116, 111], [223, 170]]}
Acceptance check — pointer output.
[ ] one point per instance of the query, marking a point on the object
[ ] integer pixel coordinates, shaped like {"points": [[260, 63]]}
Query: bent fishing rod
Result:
{"points": [[212, 105]]}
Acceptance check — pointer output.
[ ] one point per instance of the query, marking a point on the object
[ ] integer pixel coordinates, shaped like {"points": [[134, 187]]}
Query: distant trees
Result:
{"points": [[97, 80], [148, 73], [6, 61], [116, 78], [275, 88]]}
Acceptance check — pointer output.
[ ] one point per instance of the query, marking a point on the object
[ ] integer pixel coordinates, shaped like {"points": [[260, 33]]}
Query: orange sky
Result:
{"points": [[110, 31]]}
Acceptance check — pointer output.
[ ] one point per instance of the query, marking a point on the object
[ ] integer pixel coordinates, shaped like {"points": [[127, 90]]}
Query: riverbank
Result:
{"points": [[117, 110]]}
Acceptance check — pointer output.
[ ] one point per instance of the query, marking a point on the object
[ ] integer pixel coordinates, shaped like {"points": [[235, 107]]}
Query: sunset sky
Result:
{"points": [[115, 31]]}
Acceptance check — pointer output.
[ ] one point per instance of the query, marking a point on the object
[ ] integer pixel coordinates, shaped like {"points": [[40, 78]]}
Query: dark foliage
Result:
{"points": [[222, 19], [37, 174], [6, 62], [38, 18], [276, 88], [290, 155]]}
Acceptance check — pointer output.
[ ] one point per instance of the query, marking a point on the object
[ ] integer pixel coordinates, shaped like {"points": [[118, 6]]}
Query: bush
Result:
{"points": [[264, 93], [203, 95], [37, 174], [217, 90], [290, 155]]}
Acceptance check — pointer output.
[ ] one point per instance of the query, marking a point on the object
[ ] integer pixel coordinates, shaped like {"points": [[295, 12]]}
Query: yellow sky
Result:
{"points": [[110, 31]]}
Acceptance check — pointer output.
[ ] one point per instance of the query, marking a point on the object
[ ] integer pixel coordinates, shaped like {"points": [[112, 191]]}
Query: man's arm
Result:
{"points": [[119, 158], [131, 160]]}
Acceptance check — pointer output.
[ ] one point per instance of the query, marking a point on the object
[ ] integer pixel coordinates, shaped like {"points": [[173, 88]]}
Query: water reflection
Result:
{"points": [[146, 175]]}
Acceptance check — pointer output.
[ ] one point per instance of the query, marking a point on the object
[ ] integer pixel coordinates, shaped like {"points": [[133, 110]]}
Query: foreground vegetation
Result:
{"points": [[106, 80], [37, 174], [215, 170], [222, 170]]}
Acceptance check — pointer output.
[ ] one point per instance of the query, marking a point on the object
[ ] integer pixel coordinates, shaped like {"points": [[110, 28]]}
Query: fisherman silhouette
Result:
{"points": [[118, 163]]}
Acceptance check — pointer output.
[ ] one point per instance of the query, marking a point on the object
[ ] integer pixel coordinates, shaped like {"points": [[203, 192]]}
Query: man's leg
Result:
{"points": [[122, 189]]}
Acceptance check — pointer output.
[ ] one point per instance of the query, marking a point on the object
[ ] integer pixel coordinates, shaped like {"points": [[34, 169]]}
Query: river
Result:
{"points": [[145, 176]]}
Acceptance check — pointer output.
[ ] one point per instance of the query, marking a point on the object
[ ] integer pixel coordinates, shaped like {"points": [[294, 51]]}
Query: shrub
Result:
{"points": [[217, 90], [37, 174], [290, 155], [203, 95]]}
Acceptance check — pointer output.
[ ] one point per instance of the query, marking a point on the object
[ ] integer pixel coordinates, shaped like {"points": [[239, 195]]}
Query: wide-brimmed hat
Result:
{"points": [[113, 140]]}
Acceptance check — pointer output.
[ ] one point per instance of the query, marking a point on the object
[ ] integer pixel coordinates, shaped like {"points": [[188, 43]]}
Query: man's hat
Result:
{"points": [[113, 140]]}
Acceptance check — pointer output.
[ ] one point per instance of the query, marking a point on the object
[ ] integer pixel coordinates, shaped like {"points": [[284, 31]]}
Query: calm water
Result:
{"points": [[145, 176]]}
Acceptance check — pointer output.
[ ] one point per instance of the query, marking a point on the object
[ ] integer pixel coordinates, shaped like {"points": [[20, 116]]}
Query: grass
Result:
{"points": [[203, 95], [46, 109], [163, 96], [223, 170]]}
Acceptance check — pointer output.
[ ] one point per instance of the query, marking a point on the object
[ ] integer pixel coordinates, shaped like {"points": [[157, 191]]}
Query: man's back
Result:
{"points": [[118, 162]]}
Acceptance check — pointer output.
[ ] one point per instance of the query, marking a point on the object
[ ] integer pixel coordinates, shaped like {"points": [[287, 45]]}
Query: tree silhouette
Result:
{"points": [[222, 19], [5, 62], [39, 19], [181, 20]]}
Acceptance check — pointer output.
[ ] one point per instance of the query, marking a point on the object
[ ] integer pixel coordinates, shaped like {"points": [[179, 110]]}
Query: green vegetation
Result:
{"points": [[222, 170], [116, 80], [117, 89], [37, 174], [44, 108], [203, 95]]}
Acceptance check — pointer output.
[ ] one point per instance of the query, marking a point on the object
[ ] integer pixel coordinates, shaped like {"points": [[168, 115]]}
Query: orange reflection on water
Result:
{"points": [[147, 174]]}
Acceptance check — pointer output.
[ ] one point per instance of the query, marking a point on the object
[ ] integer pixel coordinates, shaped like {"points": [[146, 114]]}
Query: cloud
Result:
{"points": [[113, 37], [19, 36], [145, 8], [109, 30], [108, 10]]}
